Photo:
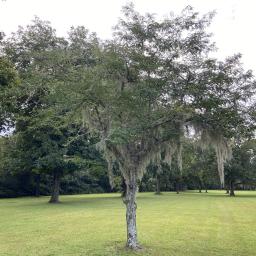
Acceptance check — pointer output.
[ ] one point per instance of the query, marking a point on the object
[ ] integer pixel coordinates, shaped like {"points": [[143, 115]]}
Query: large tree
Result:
{"points": [[44, 61], [153, 83], [39, 127]]}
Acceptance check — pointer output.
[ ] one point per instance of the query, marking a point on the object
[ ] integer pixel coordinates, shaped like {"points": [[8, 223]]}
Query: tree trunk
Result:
{"points": [[55, 189], [201, 185], [232, 189], [227, 189], [130, 201], [158, 192], [37, 190], [177, 187], [123, 187]]}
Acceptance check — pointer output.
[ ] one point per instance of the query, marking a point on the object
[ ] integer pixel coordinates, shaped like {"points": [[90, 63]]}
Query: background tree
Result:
{"points": [[43, 61], [200, 168], [241, 169]]}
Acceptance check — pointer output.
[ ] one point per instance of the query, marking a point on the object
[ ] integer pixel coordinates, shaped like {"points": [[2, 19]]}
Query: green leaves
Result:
{"points": [[8, 85], [136, 92]]}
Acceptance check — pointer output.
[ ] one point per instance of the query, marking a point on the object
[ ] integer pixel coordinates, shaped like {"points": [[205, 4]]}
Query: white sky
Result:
{"points": [[233, 27]]}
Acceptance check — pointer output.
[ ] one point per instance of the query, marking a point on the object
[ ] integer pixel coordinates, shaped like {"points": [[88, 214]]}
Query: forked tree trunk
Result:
{"points": [[55, 189], [130, 201], [232, 189], [158, 192]]}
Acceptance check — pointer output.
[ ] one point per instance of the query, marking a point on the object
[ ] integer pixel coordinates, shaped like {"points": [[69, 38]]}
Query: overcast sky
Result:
{"points": [[233, 27]]}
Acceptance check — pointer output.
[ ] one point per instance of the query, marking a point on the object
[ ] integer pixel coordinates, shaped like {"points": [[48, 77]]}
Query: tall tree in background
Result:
{"points": [[200, 169], [35, 51], [241, 169], [44, 61]]}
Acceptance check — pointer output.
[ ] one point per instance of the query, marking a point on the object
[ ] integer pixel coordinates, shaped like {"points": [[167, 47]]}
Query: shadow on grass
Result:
{"points": [[73, 201], [236, 196], [98, 200], [239, 193]]}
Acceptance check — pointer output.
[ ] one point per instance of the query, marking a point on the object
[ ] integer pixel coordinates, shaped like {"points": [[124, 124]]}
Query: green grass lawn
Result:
{"points": [[182, 225]]}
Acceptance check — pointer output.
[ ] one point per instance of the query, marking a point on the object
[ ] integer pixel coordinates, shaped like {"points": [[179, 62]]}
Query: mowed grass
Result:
{"points": [[188, 224]]}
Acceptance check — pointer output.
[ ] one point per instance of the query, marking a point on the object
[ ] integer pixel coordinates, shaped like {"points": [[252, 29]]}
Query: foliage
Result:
{"points": [[8, 83], [240, 172], [43, 134]]}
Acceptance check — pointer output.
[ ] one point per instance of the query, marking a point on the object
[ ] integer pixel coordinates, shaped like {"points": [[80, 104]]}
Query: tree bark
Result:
{"points": [[55, 189], [123, 187], [158, 192], [130, 201], [232, 189]]}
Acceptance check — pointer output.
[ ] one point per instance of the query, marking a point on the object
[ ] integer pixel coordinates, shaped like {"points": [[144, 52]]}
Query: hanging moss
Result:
{"points": [[222, 149]]}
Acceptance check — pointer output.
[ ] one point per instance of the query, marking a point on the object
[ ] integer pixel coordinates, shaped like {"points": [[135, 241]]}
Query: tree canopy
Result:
{"points": [[154, 84], [142, 96]]}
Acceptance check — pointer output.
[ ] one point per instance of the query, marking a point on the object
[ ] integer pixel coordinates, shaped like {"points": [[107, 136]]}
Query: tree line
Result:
{"points": [[149, 109]]}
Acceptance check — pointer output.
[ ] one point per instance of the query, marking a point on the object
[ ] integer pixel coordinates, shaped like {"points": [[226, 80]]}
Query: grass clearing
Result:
{"points": [[190, 224]]}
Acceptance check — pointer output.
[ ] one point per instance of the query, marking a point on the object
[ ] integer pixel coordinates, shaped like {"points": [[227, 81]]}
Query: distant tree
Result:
{"points": [[241, 169], [200, 169], [156, 172]]}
